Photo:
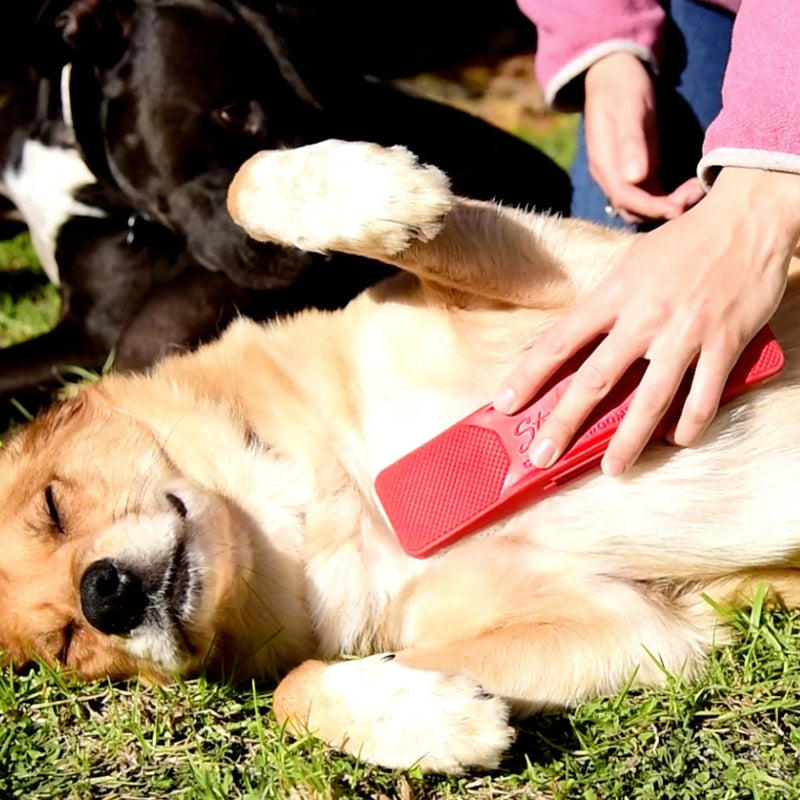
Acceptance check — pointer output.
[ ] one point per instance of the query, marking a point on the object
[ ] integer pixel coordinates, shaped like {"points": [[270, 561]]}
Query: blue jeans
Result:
{"points": [[688, 96]]}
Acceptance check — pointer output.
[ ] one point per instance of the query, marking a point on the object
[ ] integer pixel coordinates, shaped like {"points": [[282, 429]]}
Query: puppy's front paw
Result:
{"points": [[397, 716], [352, 197]]}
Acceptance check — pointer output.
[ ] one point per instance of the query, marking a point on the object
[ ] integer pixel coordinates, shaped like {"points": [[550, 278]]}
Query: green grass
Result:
{"points": [[29, 303], [554, 136], [733, 734]]}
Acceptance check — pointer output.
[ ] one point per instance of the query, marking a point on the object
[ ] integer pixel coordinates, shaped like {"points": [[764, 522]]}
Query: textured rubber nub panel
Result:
{"points": [[469, 461], [769, 362]]}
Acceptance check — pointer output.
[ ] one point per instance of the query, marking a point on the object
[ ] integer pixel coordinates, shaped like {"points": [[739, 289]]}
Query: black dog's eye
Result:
{"points": [[241, 117], [52, 509], [235, 115]]}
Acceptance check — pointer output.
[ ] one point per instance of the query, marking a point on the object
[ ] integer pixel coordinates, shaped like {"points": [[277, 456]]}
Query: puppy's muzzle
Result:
{"points": [[113, 597]]}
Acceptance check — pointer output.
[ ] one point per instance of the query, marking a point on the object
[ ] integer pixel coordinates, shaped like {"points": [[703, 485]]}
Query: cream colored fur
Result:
{"points": [[272, 438]]}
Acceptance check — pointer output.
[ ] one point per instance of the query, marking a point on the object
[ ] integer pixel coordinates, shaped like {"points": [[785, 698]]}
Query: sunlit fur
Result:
{"points": [[272, 438]]}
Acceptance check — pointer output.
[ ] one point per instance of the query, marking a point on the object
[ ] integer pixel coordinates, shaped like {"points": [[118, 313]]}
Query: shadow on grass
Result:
{"points": [[22, 283], [541, 740]]}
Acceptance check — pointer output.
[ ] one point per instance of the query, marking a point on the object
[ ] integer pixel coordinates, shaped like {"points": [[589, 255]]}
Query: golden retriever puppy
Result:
{"points": [[219, 513]]}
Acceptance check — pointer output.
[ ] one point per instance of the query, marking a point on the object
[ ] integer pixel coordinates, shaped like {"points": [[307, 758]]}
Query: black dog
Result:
{"points": [[116, 269], [166, 99]]}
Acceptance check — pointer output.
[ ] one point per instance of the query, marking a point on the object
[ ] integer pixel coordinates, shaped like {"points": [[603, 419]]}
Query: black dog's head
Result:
{"points": [[168, 99]]}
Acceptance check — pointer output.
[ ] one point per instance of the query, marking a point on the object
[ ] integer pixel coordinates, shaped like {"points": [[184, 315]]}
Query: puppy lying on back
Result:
{"points": [[219, 513]]}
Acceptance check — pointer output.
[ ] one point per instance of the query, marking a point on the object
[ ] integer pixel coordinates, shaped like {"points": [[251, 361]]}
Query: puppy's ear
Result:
{"points": [[86, 31]]}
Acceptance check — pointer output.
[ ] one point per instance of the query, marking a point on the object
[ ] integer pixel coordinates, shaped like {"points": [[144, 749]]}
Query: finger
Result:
{"points": [[704, 395], [630, 219], [623, 152], [623, 161], [634, 154], [636, 201], [651, 401], [604, 167], [637, 145], [618, 138], [688, 194], [589, 385], [550, 351]]}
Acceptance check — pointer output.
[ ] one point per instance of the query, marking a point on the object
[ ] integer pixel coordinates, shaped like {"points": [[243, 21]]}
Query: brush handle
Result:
{"points": [[479, 470]]}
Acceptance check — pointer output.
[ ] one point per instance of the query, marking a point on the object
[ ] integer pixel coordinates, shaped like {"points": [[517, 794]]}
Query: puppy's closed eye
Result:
{"points": [[62, 656], [178, 505], [52, 510]]}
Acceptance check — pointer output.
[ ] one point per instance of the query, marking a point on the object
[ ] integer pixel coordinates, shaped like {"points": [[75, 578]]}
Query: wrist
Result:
{"points": [[768, 199], [615, 69]]}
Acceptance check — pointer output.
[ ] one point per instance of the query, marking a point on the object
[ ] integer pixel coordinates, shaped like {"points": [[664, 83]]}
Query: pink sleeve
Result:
{"points": [[759, 124], [573, 34]]}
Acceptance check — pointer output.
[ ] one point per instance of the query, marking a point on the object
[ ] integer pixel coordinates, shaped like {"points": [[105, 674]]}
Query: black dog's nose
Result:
{"points": [[113, 598]]}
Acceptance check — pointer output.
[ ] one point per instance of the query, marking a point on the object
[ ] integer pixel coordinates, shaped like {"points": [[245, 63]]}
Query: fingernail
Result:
{"points": [[505, 400], [543, 454], [613, 467]]}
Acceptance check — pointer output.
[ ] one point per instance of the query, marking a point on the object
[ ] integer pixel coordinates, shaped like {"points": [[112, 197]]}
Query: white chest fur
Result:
{"points": [[43, 190]]}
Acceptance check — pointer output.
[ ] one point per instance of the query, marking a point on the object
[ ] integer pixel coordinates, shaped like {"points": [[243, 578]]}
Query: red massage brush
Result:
{"points": [[478, 471]]}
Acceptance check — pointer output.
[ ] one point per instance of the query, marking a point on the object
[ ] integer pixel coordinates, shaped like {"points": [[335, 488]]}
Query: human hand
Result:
{"points": [[696, 289], [622, 141]]}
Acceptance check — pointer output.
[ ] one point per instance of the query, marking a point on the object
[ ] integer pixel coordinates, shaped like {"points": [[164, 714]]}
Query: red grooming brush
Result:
{"points": [[478, 471]]}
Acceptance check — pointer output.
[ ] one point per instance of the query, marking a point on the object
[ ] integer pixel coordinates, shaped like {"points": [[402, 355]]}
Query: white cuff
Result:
{"points": [[579, 65], [712, 162]]}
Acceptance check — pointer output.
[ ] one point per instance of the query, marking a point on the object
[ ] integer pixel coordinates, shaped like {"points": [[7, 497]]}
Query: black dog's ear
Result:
{"points": [[262, 20], [87, 31], [93, 29]]}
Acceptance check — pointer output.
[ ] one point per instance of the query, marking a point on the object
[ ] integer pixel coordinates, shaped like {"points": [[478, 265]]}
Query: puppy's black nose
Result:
{"points": [[113, 598]]}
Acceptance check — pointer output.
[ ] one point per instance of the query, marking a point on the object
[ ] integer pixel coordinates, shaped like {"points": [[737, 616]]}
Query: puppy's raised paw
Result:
{"points": [[351, 197], [397, 716]]}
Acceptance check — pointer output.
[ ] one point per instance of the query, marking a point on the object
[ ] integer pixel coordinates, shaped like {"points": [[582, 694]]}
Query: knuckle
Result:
{"points": [[592, 379], [653, 401], [728, 344], [553, 342], [699, 414], [656, 315], [691, 329], [558, 428], [616, 292], [693, 423], [522, 373]]}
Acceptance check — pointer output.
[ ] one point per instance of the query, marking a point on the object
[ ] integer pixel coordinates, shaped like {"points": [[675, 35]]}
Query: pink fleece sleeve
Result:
{"points": [[759, 124], [573, 34]]}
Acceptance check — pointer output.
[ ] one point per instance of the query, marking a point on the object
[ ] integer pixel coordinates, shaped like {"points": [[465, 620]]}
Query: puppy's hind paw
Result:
{"points": [[351, 197]]}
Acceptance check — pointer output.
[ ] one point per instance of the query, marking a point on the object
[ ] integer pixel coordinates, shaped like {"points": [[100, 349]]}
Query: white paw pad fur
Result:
{"points": [[352, 197], [399, 716]]}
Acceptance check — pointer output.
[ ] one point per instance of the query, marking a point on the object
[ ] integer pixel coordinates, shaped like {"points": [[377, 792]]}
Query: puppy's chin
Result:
{"points": [[232, 614]]}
